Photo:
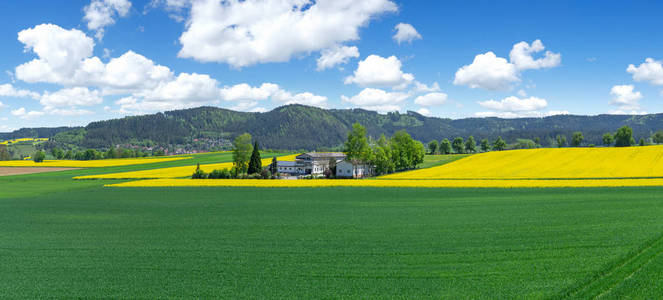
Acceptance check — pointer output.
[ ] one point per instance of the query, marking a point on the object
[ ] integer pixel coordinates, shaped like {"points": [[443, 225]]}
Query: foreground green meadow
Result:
{"points": [[66, 238]]}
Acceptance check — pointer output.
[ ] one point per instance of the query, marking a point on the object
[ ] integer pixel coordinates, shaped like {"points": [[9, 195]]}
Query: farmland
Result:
{"points": [[78, 239], [61, 237], [550, 163]]}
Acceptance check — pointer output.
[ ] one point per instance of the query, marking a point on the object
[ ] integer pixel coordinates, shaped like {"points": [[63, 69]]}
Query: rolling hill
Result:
{"points": [[304, 127]]}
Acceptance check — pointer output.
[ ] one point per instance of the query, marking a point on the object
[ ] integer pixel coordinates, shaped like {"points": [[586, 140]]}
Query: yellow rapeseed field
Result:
{"points": [[7, 142], [519, 183], [88, 163], [555, 163], [174, 172]]}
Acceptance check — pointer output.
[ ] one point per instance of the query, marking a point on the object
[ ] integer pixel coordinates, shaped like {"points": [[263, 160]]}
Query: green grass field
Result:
{"points": [[76, 239]]}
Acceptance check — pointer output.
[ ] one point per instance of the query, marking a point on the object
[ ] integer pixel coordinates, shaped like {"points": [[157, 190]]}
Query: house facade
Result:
{"points": [[311, 163], [345, 169]]}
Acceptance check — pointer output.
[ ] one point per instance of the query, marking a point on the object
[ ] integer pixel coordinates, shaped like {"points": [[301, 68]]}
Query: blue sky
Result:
{"points": [[73, 62]]}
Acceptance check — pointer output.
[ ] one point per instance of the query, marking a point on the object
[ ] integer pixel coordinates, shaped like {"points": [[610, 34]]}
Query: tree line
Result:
{"points": [[399, 152], [247, 163], [460, 146]]}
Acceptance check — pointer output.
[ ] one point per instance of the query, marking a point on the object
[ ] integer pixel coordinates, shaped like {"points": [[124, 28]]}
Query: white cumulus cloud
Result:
{"points": [[243, 33], [651, 70], [405, 33], [8, 90], [78, 96], [380, 72], [487, 71], [521, 56], [102, 13], [24, 114], [625, 97], [377, 99], [515, 104], [335, 56], [431, 99], [490, 72]]}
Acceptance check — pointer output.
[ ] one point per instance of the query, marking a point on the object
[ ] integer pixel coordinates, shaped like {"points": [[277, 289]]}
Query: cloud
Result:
{"points": [[651, 70], [186, 87], [244, 91], [625, 97], [405, 33], [377, 99], [8, 90], [515, 104], [487, 71], [521, 56], [422, 88], [490, 72], [378, 71], [515, 107], [61, 52], [243, 33], [248, 97], [512, 115], [71, 97], [102, 13], [147, 86], [306, 98], [431, 99], [23, 114], [424, 111], [628, 112], [335, 56]]}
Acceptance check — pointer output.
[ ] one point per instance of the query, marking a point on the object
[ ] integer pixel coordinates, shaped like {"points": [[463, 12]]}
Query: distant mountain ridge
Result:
{"points": [[305, 127]]}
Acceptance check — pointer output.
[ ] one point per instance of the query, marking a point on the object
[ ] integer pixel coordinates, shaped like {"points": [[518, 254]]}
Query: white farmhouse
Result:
{"points": [[311, 163], [345, 169]]}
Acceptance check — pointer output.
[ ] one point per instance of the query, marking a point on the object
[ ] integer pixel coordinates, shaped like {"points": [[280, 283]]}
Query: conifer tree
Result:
{"points": [[255, 164]]}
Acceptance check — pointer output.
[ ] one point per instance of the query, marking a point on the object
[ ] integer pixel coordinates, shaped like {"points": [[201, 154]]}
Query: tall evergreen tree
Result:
{"points": [[255, 164], [274, 166]]}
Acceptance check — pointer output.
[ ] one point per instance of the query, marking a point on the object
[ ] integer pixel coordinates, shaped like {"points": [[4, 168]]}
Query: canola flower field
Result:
{"points": [[14, 141], [550, 163], [175, 172], [89, 163]]}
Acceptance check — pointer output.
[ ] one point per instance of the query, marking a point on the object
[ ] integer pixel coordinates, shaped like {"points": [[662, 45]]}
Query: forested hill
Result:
{"points": [[304, 127]]}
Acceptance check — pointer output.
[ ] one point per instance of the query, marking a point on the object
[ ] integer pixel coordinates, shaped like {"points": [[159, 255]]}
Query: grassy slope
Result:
{"points": [[73, 238], [438, 160]]}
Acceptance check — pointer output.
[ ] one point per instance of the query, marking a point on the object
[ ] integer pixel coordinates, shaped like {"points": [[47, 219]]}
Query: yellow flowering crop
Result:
{"points": [[175, 172], [23, 140], [520, 183], [555, 163], [87, 163]]}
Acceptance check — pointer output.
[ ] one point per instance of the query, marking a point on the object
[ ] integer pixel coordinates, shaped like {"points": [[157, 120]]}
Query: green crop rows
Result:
{"points": [[76, 239]]}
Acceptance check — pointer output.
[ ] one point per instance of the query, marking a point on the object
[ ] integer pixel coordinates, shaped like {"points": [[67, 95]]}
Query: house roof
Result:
{"points": [[323, 154]]}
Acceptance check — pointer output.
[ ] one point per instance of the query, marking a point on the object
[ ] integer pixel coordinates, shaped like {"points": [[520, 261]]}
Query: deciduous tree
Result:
{"points": [[499, 144], [458, 145], [242, 152], [608, 139], [356, 147], [471, 145], [576, 139], [624, 137], [445, 147], [432, 146], [485, 145]]}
